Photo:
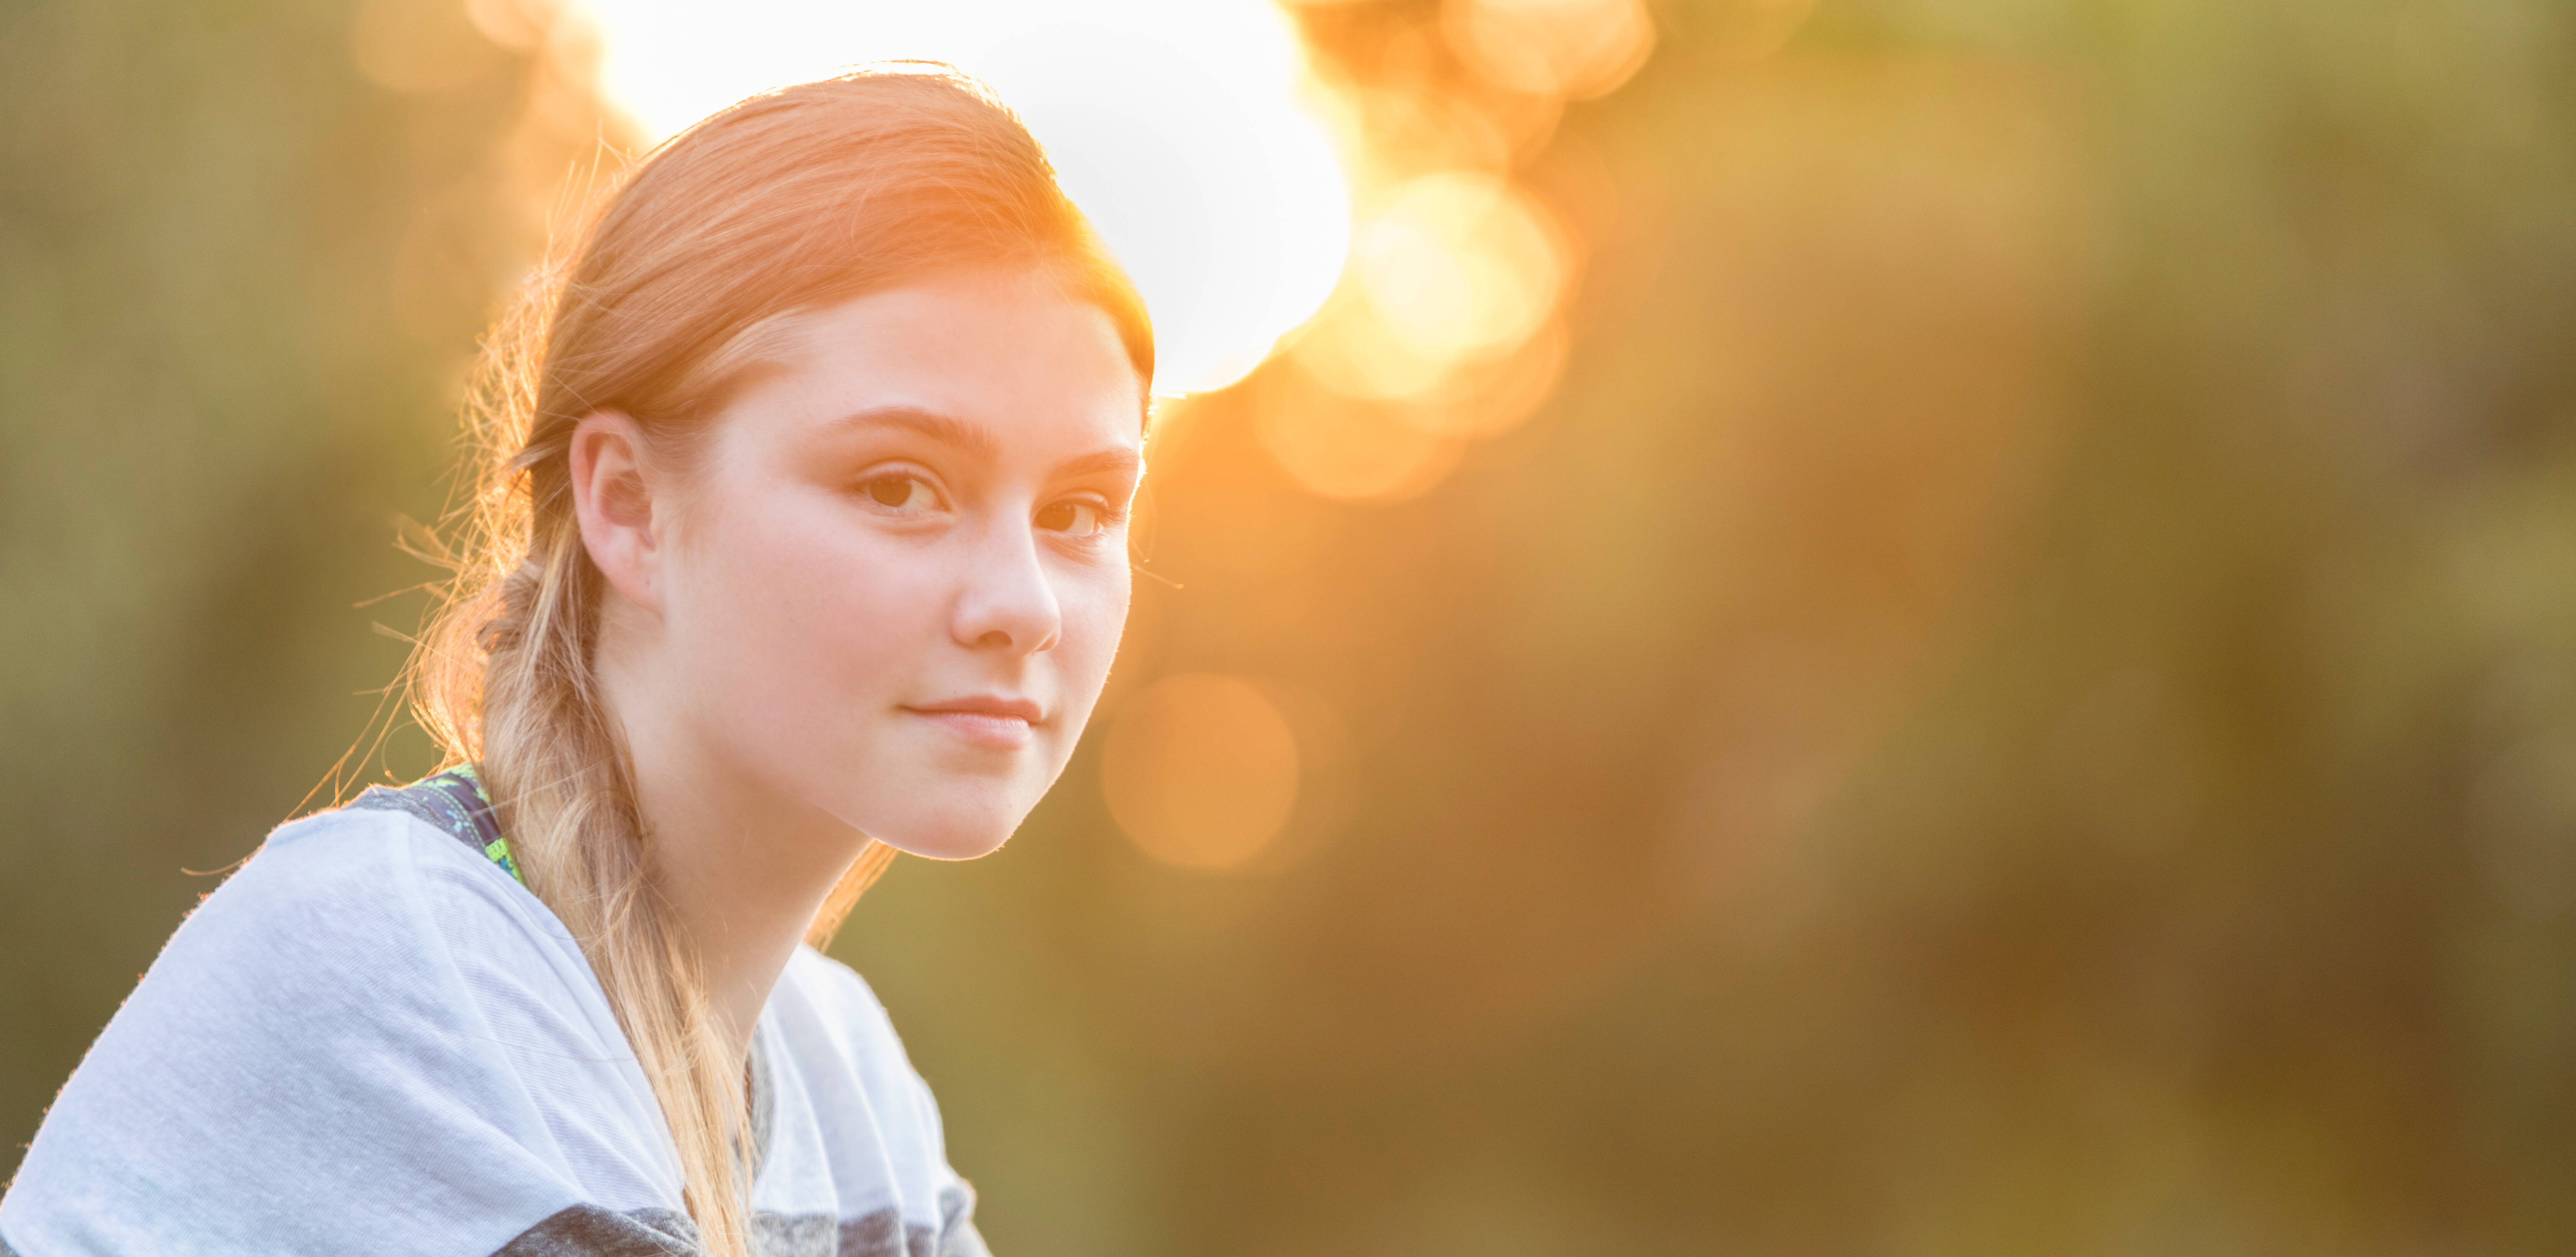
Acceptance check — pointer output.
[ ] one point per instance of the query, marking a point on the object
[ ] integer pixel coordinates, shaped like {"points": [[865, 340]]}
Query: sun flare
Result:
{"points": [[1179, 126]]}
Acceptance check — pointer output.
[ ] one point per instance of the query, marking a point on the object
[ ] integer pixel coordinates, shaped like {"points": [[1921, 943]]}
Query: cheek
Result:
{"points": [[1095, 614], [794, 615]]}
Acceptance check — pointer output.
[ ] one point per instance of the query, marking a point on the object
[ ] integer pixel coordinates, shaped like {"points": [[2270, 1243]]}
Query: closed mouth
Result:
{"points": [[993, 706]]}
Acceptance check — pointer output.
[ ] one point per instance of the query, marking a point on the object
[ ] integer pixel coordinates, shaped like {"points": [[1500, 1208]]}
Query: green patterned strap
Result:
{"points": [[453, 801]]}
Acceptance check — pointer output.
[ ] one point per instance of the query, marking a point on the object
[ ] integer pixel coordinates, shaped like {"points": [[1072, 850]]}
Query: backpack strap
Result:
{"points": [[453, 801]]}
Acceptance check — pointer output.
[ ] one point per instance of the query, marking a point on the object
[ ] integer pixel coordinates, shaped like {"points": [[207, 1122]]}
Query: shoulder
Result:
{"points": [[356, 896], [352, 940], [354, 863], [307, 875], [836, 997], [448, 958], [831, 1024], [366, 925], [324, 1020], [874, 1118], [334, 899]]}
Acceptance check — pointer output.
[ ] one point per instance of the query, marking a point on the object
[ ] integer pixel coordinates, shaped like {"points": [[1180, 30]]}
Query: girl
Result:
{"points": [[802, 543]]}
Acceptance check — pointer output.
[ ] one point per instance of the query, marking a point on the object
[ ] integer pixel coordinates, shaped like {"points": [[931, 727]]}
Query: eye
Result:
{"points": [[901, 491], [1075, 518]]}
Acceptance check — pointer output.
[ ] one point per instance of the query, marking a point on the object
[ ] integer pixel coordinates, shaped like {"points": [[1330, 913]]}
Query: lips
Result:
{"points": [[1019, 709], [988, 721]]}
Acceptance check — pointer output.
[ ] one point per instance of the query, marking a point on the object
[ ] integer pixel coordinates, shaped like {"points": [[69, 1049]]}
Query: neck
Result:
{"points": [[742, 870], [743, 882]]}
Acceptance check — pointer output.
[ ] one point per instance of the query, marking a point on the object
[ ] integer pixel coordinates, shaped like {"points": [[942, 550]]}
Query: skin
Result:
{"points": [[879, 600]]}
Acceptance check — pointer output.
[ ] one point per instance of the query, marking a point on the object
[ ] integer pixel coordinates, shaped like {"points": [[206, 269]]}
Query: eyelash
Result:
{"points": [[866, 486], [1110, 514]]}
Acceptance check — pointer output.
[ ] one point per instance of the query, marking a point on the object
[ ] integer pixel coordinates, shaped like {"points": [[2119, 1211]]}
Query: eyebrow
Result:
{"points": [[951, 430], [930, 423]]}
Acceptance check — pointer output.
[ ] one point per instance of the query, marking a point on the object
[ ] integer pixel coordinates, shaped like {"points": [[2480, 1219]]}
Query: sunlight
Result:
{"points": [[1177, 125], [1572, 48], [1451, 273]]}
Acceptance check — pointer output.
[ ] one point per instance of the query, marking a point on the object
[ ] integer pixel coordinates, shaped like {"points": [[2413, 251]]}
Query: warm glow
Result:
{"points": [[1571, 48], [1349, 449], [1453, 272], [1200, 770], [1456, 263], [1177, 126]]}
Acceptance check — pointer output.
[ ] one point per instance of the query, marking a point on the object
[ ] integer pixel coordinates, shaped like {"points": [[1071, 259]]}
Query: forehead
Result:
{"points": [[1007, 352]]}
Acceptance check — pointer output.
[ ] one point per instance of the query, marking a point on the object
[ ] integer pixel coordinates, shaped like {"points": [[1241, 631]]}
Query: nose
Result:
{"points": [[1006, 601]]}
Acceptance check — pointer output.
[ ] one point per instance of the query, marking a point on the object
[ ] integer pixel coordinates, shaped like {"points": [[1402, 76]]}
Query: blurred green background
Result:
{"points": [[2020, 697]]}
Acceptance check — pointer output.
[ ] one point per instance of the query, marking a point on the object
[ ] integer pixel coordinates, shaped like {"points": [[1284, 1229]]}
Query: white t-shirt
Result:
{"points": [[371, 1039]]}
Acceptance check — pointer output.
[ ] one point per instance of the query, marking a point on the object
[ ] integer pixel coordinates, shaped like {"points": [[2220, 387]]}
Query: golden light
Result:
{"points": [[1457, 263], [1453, 277], [1349, 449], [1178, 125], [409, 47], [1577, 49], [1421, 287], [1200, 770], [1492, 395]]}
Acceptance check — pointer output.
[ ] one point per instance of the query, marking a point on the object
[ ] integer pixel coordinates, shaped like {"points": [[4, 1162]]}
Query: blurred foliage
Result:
{"points": [[2020, 697]]}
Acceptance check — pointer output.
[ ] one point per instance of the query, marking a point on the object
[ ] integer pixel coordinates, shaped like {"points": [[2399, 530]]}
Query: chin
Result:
{"points": [[951, 836], [950, 847]]}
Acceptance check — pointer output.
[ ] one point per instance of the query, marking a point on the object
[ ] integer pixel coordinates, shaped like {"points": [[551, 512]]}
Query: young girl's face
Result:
{"points": [[900, 570]]}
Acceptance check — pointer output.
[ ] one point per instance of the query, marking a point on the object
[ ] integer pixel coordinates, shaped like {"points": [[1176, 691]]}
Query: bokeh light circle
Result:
{"points": [[1200, 770], [1459, 262], [1576, 49]]}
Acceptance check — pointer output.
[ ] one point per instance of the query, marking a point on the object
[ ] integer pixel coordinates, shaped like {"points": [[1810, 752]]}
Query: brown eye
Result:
{"points": [[1079, 519], [899, 492]]}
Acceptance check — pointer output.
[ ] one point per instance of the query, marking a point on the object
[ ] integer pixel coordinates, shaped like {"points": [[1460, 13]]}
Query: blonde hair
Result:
{"points": [[680, 285]]}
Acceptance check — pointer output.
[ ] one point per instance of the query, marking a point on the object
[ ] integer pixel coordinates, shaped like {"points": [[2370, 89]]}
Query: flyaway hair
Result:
{"points": [[677, 291]]}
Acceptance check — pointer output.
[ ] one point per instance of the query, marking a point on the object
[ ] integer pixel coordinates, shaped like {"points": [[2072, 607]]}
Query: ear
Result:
{"points": [[613, 498]]}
